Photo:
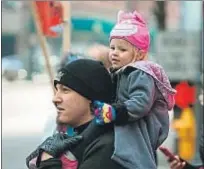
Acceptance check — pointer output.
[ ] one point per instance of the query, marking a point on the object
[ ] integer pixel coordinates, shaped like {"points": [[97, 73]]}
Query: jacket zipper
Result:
{"points": [[118, 85]]}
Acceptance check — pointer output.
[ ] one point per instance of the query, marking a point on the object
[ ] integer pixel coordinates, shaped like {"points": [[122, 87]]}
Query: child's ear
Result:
{"points": [[141, 55]]}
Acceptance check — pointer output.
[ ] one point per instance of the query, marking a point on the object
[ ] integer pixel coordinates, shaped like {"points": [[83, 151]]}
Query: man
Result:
{"points": [[176, 162], [97, 52], [78, 84]]}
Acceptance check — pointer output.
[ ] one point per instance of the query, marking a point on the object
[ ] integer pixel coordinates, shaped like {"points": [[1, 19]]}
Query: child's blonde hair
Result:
{"points": [[138, 54]]}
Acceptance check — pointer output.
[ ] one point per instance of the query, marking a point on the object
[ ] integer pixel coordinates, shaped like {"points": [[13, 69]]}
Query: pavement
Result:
{"points": [[26, 106], [26, 109]]}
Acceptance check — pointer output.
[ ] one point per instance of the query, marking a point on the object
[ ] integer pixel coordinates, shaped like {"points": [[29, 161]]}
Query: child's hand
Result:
{"points": [[104, 113]]}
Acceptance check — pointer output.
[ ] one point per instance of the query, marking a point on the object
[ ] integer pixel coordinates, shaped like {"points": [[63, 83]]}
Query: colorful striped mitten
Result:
{"points": [[104, 113]]}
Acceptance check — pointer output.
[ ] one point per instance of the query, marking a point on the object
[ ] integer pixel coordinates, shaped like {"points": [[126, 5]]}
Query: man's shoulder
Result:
{"points": [[104, 144], [99, 152], [104, 140]]}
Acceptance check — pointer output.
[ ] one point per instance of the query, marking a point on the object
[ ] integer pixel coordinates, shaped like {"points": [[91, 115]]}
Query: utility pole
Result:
{"points": [[66, 37], [131, 5], [24, 40], [160, 13]]}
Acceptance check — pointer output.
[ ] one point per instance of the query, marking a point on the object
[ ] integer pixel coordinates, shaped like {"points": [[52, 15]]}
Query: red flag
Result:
{"points": [[50, 14]]}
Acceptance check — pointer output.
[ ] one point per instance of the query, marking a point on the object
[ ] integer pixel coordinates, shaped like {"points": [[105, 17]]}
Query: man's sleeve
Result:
{"points": [[99, 157], [141, 94], [51, 164], [189, 166], [201, 144]]}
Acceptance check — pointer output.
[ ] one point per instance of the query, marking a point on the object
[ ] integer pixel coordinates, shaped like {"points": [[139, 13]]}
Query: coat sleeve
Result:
{"points": [[201, 144], [189, 166], [51, 164], [141, 93]]}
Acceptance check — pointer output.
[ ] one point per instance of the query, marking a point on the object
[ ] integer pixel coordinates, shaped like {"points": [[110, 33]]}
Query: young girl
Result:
{"points": [[143, 96]]}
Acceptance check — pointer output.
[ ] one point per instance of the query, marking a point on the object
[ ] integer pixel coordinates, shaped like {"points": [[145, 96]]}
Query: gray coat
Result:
{"points": [[146, 91]]}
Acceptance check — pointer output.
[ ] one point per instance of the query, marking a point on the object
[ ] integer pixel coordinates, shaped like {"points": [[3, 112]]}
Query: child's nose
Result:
{"points": [[115, 53]]}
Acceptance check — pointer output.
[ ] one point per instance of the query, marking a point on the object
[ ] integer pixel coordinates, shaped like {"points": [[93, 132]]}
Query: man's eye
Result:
{"points": [[65, 89]]}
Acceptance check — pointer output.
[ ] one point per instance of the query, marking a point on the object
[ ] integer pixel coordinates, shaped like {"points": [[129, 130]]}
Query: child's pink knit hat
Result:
{"points": [[132, 28]]}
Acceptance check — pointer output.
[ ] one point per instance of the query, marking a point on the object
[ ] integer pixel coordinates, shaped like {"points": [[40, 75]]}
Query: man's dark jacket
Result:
{"points": [[94, 152]]}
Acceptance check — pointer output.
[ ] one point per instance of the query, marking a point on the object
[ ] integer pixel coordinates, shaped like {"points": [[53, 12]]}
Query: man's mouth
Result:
{"points": [[59, 109]]}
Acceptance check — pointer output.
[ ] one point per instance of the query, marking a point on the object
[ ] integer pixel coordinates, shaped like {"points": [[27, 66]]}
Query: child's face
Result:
{"points": [[121, 53]]}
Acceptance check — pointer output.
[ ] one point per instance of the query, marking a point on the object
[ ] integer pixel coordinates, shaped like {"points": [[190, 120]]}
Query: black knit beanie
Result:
{"points": [[88, 78]]}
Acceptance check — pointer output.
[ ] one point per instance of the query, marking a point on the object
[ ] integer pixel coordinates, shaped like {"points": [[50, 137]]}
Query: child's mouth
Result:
{"points": [[115, 61]]}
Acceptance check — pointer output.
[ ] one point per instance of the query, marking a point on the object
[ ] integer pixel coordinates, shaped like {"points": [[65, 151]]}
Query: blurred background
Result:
{"points": [[27, 111]]}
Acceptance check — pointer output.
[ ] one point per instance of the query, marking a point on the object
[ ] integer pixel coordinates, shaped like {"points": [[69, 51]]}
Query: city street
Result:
{"points": [[26, 107], [33, 41]]}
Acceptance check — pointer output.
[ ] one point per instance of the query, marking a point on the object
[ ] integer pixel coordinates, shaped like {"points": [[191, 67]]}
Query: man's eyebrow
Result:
{"points": [[58, 86], [65, 87]]}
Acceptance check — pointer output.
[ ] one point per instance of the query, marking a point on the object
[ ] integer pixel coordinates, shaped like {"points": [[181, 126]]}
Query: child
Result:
{"points": [[143, 96]]}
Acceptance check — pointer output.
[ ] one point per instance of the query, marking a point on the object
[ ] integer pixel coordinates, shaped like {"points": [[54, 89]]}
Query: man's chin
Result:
{"points": [[59, 121]]}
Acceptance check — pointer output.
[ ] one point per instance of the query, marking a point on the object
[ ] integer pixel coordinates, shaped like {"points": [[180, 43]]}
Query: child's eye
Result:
{"points": [[112, 47], [123, 50]]}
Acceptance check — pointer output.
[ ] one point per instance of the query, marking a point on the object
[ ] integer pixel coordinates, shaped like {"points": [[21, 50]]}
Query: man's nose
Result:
{"points": [[56, 98]]}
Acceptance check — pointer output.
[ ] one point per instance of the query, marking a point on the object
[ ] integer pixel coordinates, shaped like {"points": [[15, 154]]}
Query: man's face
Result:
{"points": [[72, 108]]}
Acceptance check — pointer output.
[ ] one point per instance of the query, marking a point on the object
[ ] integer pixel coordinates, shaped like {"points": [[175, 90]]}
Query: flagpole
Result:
{"points": [[43, 43]]}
